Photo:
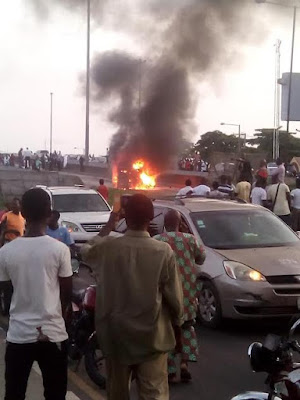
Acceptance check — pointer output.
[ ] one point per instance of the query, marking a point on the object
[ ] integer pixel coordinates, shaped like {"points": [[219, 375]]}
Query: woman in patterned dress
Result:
{"points": [[188, 252]]}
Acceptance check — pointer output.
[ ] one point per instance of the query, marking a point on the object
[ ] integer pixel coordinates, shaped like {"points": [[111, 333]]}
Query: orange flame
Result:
{"points": [[137, 165], [115, 175], [147, 179]]}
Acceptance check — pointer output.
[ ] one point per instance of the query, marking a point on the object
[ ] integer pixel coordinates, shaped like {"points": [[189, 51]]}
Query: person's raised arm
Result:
{"points": [[199, 251], [90, 250]]}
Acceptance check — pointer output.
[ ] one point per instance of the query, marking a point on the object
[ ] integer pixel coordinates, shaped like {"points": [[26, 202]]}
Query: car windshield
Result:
{"points": [[240, 229], [79, 203]]}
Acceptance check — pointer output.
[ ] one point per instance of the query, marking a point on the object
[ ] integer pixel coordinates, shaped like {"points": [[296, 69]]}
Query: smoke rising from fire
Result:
{"points": [[200, 41], [188, 42]]}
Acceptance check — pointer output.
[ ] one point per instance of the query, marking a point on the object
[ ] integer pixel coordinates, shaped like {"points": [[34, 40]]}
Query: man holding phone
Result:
{"points": [[139, 303]]}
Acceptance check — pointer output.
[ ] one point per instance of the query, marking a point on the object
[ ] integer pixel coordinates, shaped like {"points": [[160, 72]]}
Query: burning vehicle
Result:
{"points": [[134, 175]]}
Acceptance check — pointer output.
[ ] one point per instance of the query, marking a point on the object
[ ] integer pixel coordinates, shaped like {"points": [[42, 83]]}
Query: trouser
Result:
{"points": [[286, 218], [27, 162], [189, 351], [296, 219], [151, 379], [52, 359]]}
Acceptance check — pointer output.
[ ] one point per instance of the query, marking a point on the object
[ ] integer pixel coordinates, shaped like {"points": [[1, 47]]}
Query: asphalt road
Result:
{"points": [[223, 368]]}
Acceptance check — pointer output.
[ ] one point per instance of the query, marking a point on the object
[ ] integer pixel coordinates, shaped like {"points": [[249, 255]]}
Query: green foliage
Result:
{"points": [[289, 144], [216, 141]]}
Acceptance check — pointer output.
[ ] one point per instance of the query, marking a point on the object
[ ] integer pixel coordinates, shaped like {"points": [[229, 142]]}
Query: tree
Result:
{"points": [[214, 141], [288, 143]]}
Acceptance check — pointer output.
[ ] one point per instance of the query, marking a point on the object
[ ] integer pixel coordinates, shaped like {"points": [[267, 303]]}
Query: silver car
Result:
{"points": [[252, 268]]}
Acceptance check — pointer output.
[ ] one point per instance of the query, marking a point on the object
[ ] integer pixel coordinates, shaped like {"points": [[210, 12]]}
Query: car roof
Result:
{"points": [[198, 204], [60, 190]]}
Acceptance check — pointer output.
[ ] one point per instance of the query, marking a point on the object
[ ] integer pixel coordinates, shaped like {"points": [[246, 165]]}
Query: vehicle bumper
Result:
{"points": [[242, 300], [80, 238]]}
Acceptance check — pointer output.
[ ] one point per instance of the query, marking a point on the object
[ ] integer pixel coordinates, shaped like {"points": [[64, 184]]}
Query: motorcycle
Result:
{"points": [[276, 357], [82, 336]]}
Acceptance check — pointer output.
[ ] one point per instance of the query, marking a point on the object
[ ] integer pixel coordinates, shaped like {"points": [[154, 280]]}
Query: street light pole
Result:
{"points": [[292, 54], [239, 134], [291, 72], [87, 112], [239, 144], [51, 120]]}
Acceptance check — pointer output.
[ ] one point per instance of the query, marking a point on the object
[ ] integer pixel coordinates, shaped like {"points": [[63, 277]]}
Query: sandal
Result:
{"points": [[185, 375], [172, 378]]}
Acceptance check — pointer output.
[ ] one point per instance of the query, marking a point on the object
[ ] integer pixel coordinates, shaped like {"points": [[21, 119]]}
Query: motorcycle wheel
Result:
{"points": [[95, 364]]}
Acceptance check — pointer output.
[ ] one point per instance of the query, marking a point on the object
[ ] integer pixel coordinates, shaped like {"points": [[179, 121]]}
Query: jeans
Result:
{"points": [[52, 359]]}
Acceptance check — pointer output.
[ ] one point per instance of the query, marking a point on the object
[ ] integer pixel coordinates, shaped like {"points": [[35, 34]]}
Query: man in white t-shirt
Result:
{"points": [[259, 194], [295, 195], [39, 269], [187, 190], [279, 194], [202, 190]]}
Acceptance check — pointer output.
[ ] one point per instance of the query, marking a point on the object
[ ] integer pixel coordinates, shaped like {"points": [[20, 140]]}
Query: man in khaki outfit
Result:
{"points": [[139, 304]]}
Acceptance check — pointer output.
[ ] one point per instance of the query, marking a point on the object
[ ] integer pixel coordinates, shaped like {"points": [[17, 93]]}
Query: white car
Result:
{"points": [[82, 211], [272, 167]]}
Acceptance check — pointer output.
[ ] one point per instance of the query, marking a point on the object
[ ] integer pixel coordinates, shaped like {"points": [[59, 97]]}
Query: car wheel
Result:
{"points": [[210, 312]]}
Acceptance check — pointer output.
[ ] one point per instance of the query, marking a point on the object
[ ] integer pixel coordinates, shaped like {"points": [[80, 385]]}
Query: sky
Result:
{"points": [[39, 56]]}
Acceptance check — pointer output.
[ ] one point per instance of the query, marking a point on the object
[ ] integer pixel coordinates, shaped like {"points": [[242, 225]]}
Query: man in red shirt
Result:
{"points": [[103, 190]]}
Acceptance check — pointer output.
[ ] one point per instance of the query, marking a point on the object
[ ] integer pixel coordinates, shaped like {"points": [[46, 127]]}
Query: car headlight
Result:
{"points": [[70, 226], [241, 272]]}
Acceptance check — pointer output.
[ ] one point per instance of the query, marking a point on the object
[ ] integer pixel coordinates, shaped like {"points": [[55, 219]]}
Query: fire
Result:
{"points": [[138, 175], [137, 165], [147, 179]]}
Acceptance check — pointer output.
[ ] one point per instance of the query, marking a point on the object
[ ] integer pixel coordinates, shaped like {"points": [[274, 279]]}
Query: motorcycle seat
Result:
{"points": [[78, 295]]}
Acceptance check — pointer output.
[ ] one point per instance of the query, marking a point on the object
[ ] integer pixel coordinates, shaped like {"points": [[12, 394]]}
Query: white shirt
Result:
{"points": [[258, 195], [34, 265], [27, 153], [281, 206], [295, 194], [184, 191], [280, 171], [201, 190]]}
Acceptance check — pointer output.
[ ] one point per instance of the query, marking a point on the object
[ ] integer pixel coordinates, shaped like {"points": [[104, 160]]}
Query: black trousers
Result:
{"points": [[52, 359], [286, 218]]}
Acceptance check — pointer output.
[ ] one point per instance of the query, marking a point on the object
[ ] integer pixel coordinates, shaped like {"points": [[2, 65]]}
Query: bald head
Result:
{"points": [[172, 221]]}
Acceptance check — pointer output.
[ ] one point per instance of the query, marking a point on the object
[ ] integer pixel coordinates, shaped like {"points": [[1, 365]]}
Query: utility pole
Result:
{"points": [[140, 71], [51, 120], [140, 83], [239, 144], [275, 151], [291, 72], [87, 112]]}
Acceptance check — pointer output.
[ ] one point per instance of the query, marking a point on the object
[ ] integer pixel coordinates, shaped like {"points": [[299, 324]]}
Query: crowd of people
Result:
{"points": [[275, 196], [147, 287], [193, 164], [144, 317], [28, 160]]}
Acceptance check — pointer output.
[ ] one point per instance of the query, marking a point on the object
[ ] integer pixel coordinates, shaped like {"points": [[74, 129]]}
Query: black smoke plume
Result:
{"points": [[185, 42], [200, 41]]}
